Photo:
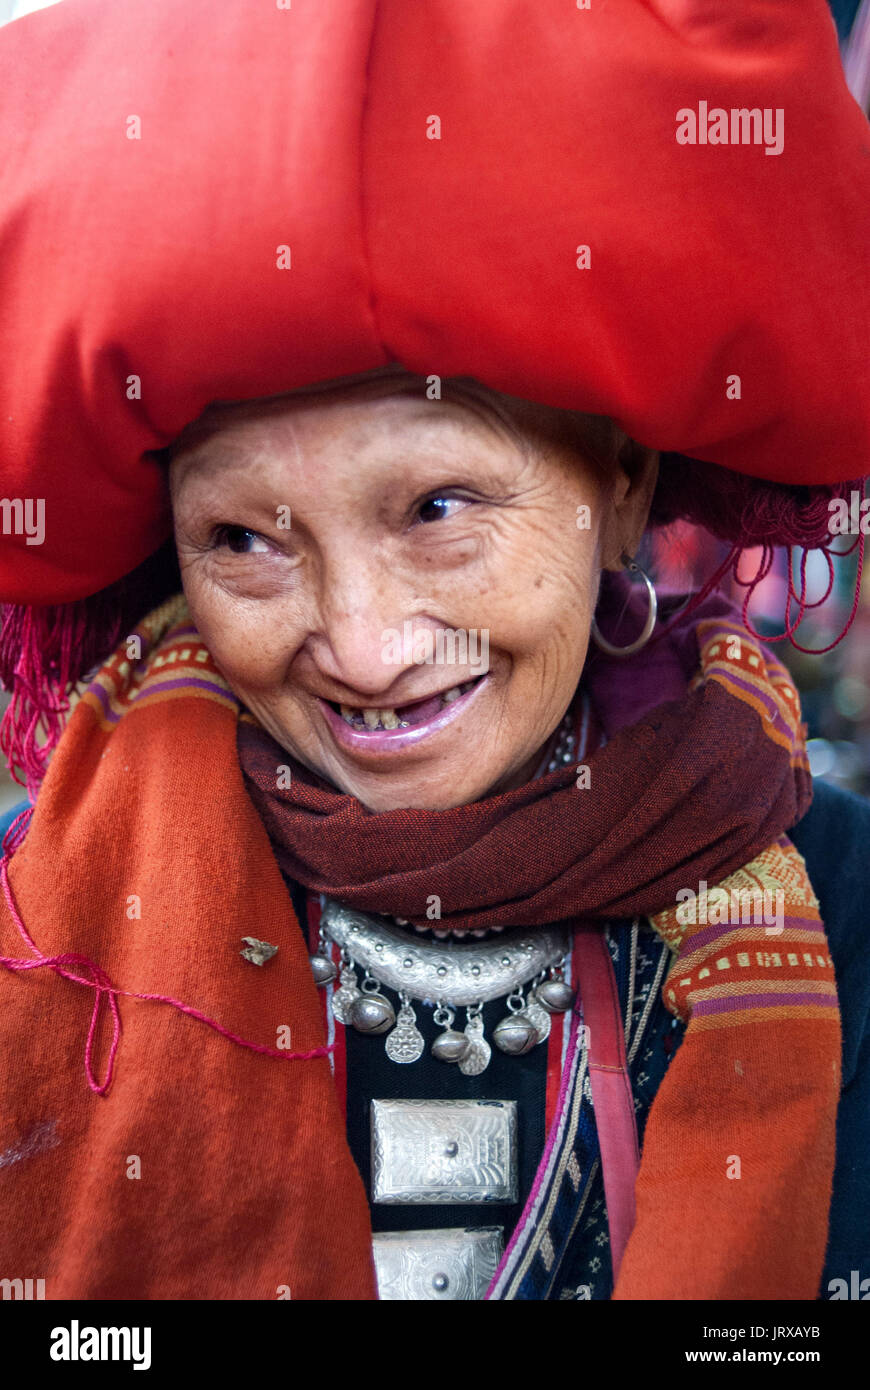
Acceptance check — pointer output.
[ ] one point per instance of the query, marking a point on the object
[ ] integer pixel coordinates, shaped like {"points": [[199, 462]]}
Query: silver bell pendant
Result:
{"points": [[516, 1034], [555, 996], [323, 970], [372, 1013], [449, 1046]]}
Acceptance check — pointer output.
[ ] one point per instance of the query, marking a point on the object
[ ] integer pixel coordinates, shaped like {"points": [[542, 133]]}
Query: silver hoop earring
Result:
{"points": [[634, 568]]}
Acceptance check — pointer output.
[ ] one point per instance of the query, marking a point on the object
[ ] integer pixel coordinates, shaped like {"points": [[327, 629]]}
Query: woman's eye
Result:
{"points": [[438, 508], [240, 540]]}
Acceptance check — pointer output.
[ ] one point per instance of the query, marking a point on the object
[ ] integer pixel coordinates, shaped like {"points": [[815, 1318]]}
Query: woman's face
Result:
{"points": [[398, 588]]}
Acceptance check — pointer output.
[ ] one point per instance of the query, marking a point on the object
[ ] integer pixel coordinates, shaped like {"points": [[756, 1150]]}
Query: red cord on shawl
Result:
{"points": [[101, 984]]}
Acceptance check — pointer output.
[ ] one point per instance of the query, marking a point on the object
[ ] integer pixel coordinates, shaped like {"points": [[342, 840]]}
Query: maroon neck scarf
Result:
{"points": [[699, 775]]}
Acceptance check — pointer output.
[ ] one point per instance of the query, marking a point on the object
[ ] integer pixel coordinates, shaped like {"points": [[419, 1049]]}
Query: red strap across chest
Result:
{"points": [[612, 1097]]}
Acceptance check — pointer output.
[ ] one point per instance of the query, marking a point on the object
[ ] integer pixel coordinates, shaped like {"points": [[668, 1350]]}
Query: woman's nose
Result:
{"points": [[360, 616]]}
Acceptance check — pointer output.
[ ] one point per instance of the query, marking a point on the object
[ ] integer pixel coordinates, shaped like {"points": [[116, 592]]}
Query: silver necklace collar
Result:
{"points": [[525, 967], [455, 972]]}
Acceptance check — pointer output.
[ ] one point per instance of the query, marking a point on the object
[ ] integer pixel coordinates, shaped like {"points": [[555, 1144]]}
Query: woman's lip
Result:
{"points": [[394, 740]]}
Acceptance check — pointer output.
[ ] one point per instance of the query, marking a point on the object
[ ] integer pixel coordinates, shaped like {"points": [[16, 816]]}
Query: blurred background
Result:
{"points": [[834, 687]]}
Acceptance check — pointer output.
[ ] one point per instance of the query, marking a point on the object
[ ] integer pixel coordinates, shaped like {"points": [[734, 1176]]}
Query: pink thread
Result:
{"points": [[748, 513], [40, 661], [800, 598], [102, 986]]}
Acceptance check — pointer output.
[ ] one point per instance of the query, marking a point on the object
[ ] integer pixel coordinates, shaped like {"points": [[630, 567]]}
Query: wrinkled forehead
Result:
{"points": [[398, 396]]}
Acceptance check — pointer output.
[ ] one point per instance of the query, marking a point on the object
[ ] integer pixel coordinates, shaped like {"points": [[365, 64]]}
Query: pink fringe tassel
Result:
{"points": [[44, 652]]}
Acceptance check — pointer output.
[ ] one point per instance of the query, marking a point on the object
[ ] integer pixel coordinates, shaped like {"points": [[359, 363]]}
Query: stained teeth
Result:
{"points": [[388, 718], [372, 718]]}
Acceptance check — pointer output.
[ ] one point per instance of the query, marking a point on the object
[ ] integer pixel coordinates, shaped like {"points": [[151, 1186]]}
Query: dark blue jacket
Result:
{"points": [[834, 838]]}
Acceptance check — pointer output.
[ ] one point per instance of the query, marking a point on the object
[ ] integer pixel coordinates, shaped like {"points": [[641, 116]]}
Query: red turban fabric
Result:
{"points": [[430, 171]]}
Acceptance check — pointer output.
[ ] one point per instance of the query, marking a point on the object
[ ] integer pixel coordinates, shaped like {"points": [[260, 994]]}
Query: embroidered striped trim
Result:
{"points": [[686, 994], [172, 664], [730, 657], [734, 938], [533, 1224], [724, 973], [822, 1012], [652, 996], [579, 1213], [560, 1175], [779, 869], [793, 988]]}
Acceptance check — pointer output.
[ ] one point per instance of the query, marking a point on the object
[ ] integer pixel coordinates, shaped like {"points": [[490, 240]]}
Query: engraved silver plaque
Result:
{"points": [[444, 1151], [452, 1264]]}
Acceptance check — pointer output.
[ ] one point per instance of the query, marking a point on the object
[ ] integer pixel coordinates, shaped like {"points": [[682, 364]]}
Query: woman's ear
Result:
{"points": [[628, 505]]}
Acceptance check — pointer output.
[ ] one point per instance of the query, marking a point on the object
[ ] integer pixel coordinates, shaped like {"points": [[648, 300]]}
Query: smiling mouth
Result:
{"points": [[378, 720]]}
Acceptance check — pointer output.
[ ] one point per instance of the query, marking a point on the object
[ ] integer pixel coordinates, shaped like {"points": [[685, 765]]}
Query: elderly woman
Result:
{"points": [[453, 913]]}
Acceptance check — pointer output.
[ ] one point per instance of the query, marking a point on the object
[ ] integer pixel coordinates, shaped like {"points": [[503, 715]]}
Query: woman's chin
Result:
{"points": [[452, 783], [396, 793]]}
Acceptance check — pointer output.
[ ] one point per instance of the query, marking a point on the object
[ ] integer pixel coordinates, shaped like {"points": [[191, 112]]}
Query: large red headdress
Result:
{"points": [[202, 202]]}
